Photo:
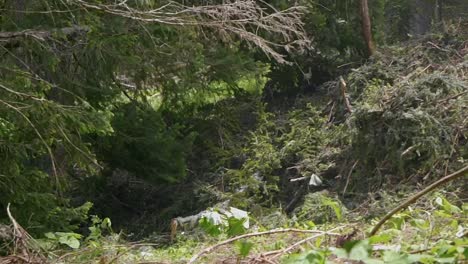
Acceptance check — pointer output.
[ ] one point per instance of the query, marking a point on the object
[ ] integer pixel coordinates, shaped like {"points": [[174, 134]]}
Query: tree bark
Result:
{"points": [[366, 27]]}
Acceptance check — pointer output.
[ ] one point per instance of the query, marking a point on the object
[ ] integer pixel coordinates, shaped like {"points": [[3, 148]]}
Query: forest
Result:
{"points": [[233, 131]]}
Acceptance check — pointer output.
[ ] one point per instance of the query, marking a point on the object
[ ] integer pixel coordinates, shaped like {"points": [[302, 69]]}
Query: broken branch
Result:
{"points": [[342, 85], [418, 195]]}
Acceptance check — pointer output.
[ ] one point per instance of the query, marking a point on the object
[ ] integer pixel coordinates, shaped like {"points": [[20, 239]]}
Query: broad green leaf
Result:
{"points": [[50, 235], [359, 252], [395, 258], [70, 241]]}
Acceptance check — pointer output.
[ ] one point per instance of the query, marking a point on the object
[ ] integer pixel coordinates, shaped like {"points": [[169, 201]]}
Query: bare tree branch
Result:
{"points": [[245, 19], [42, 35]]}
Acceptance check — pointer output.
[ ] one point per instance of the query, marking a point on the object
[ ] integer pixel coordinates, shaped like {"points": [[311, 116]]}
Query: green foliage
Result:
{"points": [[84, 92], [229, 223], [54, 240], [398, 12], [145, 145], [421, 236], [404, 120], [71, 240], [303, 138], [244, 248], [97, 228], [210, 227], [40, 140], [319, 208], [356, 250], [279, 141], [337, 41], [235, 226], [82, 82], [431, 232], [311, 257]]}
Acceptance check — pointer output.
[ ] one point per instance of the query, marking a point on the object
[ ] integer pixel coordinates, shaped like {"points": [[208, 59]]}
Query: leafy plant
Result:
{"points": [[244, 248], [97, 228], [71, 240]]}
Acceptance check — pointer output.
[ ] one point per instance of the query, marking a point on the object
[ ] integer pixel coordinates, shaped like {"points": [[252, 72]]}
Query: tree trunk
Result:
{"points": [[18, 7], [366, 27], [422, 15]]}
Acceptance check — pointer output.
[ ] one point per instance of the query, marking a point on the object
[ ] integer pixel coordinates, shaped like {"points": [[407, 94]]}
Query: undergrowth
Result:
{"points": [[432, 231], [321, 165]]}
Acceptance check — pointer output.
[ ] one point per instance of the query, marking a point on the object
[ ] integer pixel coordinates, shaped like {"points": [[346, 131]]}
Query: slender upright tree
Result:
{"points": [[366, 27]]}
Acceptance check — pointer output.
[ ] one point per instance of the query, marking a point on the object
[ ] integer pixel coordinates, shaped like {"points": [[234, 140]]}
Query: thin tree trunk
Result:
{"points": [[423, 13], [18, 7], [438, 8], [366, 27]]}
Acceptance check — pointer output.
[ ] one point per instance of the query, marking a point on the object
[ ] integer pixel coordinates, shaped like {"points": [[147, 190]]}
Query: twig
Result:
{"points": [[414, 73], [437, 47], [297, 195], [452, 97], [295, 245], [12, 219], [280, 252], [408, 150], [41, 35], [299, 179], [347, 64], [349, 176], [274, 231], [24, 241], [342, 85], [245, 19], [418, 195]]}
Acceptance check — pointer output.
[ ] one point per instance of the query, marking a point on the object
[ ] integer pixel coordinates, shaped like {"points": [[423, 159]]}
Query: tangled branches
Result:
{"points": [[245, 19], [26, 249]]}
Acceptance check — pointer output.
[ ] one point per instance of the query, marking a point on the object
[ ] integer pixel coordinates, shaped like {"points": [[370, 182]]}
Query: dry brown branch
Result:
{"points": [[452, 97], [42, 35], [274, 231], [245, 19], [342, 85], [277, 253], [25, 248], [418, 195], [349, 176]]}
